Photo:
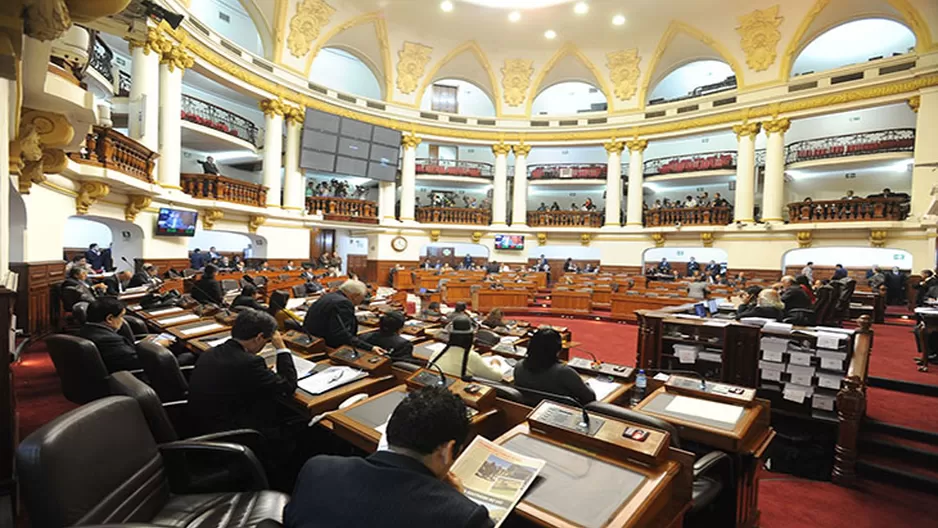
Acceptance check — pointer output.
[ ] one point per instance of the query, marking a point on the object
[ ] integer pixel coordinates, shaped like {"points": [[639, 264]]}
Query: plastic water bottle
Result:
{"points": [[638, 391]]}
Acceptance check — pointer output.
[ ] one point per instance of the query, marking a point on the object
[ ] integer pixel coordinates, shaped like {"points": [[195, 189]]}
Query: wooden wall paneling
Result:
{"points": [[356, 264], [382, 269], [826, 272], [164, 264], [35, 310]]}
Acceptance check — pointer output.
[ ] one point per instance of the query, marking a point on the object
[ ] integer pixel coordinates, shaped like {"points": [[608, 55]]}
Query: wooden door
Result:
{"points": [[321, 241]]}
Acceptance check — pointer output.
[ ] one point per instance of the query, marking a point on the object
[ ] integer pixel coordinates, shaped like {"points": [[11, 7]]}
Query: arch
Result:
{"points": [[473, 48], [858, 50], [674, 29], [126, 238], [850, 256], [207, 12], [569, 50], [464, 80], [383, 70], [701, 64], [18, 216], [263, 27], [352, 54], [569, 84]]}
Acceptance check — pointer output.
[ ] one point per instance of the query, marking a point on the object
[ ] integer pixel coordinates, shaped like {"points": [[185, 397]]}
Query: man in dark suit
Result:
{"points": [[928, 280], [408, 485], [332, 317], [231, 386], [94, 257], [197, 259], [75, 289], [839, 272], [388, 337], [106, 329], [207, 289], [794, 295], [117, 283], [144, 277], [692, 266], [247, 298]]}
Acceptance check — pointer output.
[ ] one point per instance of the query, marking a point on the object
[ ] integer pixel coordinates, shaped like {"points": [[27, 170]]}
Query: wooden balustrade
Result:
{"points": [[343, 209], [851, 406], [108, 148], [688, 216], [454, 215], [222, 188], [565, 219], [859, 210]]}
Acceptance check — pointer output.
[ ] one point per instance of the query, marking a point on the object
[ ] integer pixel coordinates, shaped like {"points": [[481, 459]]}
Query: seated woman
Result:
{"points": [[494, 319], [769, 305], [542, 371], [207, 289], [459, 350], [247, 298], [388, 337], [431, 310], [278, 309]]}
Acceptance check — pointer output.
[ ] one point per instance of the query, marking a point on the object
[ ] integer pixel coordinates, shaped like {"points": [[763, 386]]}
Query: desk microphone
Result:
{"points": [[690, 373], [597, 364], [440, 371]]}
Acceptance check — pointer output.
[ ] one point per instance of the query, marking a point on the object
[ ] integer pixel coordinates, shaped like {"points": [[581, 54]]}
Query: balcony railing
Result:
{"points": [[454, 215], [108, 148], [343, 209], [102, 59], [123, 84], [471, 169], [206, 114], [698, 162], [222, 188], [859, 210], [565, 219], [568, 171], [727, 84], [689, 216], [895, 140]]}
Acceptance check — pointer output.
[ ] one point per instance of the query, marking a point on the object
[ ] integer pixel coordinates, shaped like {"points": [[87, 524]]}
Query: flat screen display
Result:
{"points": [[351, 166], [353, 148], [334, 144], [386, 136], [317, 161], [173, 222], [356, 129], [699, 310], [382, 171], [509, 241], [713, 306], [316, 120]]}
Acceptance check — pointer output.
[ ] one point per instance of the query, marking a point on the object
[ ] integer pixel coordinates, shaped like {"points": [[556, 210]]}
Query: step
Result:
{"points": [[910, 387], [888, 472], [870, 425], [895, 449]]}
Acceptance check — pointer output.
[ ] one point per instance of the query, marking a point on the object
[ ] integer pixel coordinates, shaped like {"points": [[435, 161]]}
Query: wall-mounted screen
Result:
{"points": [[173, 222], [509, 241], [334, 144]]}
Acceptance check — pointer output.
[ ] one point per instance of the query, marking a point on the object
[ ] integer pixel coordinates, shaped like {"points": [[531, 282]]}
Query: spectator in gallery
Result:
{"points": [[657, 204], [719, 201], [703, 200], [690, 202], [542, 208], [574, 206], [310, 189], [849, 195], [555, 206], [839, 272], [208, 166]]}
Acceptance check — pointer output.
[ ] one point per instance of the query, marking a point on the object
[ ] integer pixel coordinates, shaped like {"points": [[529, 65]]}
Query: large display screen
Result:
{"points": [[338, 145], [509, 241], [173, 222]]}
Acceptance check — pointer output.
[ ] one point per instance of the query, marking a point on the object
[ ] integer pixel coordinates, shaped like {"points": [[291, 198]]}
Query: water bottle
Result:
{"points": [[638, 391]]}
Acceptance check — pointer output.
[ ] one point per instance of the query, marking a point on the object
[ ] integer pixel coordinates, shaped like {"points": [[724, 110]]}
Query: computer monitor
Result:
{"points": [[700, 310], [714, 306]]}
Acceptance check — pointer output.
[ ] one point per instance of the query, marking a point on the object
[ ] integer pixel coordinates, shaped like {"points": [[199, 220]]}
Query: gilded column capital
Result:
{"points": [[878, 238], [804, 238], [637, 145], [410, 141], [501, 149], [750, 130], [272, 107], [136, 204], [88, 194], [780, 125], [294, 114], [914, 102], [614, 146], [175, 56], [154, 41], [521, 149]]}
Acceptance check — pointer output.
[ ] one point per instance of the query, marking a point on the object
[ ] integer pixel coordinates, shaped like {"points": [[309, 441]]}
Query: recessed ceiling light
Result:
{"points": [[514, 16], [446, 6], [618, 20], [581, 8], [550, 34]]}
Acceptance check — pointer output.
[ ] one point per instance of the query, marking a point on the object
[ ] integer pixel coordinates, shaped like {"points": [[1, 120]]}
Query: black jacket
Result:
{"points": [[247, 300], [385, 489], [117, 350], [762, 311], [692, 267], [207, 291], [75, 291], [397, 346], [795, 297], [114, 286], [557, 379], [139, 279], [332, 318], [95, 260], [232, 389]]}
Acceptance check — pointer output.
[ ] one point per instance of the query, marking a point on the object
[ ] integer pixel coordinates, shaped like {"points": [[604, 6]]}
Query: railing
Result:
{"points": [[568, 171], [708, 89], [454, 215], [222, 188], [565, 219], [108, 148], [698, 162], [859, 210], [102, 59], [688, 216], [895, 140], [472, 169], [343, 209], [206, 114], [123, 84]]}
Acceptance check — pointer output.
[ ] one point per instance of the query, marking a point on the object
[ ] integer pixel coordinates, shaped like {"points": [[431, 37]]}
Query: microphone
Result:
{"points": [[689, 373], [440, 371], [596, 362]]}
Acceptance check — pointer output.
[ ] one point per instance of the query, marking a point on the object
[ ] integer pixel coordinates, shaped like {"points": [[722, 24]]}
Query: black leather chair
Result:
{"points": [[78, 364], [80, 312], [123, 477], [504, 391], [299, 291], [163, 372], [842, 306], [136, 325]]}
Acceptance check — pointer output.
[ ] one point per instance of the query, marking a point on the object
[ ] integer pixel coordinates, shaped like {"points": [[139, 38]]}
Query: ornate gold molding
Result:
{"points": [[294, 114], [434, 235], [637, 145], [521, 149], [915, 102], [37, 149], [804, 238], [272, 107], [759, 36], [154, 42], [45, 19], [412, 61], [501, 149], [706, 239], [136, 204], [255, 221], [658, 238], [410, 141], [878, 238], [89, 193], [210, 216], [624, 72], [175, 55], [541, 239], [614, 146], [516, 79], [585, 238], [311, 16], [477, 236], [750, 130], [779, 125]]}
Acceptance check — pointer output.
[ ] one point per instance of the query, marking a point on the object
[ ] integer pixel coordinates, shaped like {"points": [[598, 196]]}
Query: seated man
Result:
{"points": [[145, 277], [117, 283], [105, 328], [247, 298], [388, 337], [408, 484], [793, 295], [75, 288], [332, 317]]}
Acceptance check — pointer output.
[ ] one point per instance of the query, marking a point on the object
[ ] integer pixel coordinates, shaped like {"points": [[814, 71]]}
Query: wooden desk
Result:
{"points": [[176, 319], [454, 292], [315, 404], [488, 299], [403, 280], [572, 301], [623, 305], [160, 312], [203, 327]]}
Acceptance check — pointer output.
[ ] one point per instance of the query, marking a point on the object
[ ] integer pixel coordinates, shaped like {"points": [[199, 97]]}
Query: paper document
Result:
{"points": [[165, 311], [435, 348], [178, 319], [829, 340], [202, 328], [304, 367], [498, 363], [215, 342], [495, 477], [329, 379], [602, 388], [777, 328], [706, 409], [408, 337], [294, 303]]}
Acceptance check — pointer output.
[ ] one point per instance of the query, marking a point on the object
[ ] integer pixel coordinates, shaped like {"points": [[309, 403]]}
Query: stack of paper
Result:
{"points": [[294, 303], [165, 311], [771, 371], [178, 319], [329, 379], [797, 393], [602, 388], [801, 375], [202, 328], [832, 360], [705, 409], [499, 364]]}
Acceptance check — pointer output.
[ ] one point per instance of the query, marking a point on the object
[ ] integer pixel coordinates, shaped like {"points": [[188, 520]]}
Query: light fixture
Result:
{"points": [[446, 6], [550, 34], [581, 8], [514, 16], [618, 20]]}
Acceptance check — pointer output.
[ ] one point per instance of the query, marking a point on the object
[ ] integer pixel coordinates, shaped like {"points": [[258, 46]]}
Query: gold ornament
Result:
{"points": [[412, 60], [434, 235], [46, 19], [658, 238], [878, 238], [706, 239], [210, 216], [88, 194], [294, 114], [915, 102], [176, 56], [779, 125], [501, 149], [255, 221], [410, 141], [272, 107], [585, 238], [750, 130], [311, 16], [154, 42], [516, 79], [541, 239], [637, 145], [804, 238], [614, 146], [477, 236], [521, 149], [759, 36], [623, 69], [136, 204], [36, 151]]}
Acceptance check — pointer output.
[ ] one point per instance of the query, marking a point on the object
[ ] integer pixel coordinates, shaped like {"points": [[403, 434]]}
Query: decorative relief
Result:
{"points": [[658, 238], [136, 204], [613, 146], [624, 72], [154, 42], [434, 235], [88, 194], [750, 130], [804, 238], [759, 36], [706, 239], [779, 125], [294, 114], [210, 216], [521, 149], [915, 102], [501, 149], [878, 238], [516, 79], [175, 55], [410, 141], [272, 107], [255, 221], [477, 236], [37, 149], [46, 19], [637, 145], [311, 16], [585, 238], [412, 61], [541, 239]]}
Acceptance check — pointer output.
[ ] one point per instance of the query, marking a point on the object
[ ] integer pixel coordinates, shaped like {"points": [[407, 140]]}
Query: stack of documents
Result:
{"points": [[602, 388], [331, 378]]}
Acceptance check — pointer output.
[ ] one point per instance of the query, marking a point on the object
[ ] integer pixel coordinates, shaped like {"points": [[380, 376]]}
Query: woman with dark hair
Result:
{"points": [[278, 309], [541, 370], [805, 284], [207, 289], [247, 298], [750, 297], [494, 319], [459, 350]]}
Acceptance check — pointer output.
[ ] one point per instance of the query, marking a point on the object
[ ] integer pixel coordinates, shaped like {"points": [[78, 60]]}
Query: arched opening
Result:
{"points": [[568, 98], [857, 260], [17, 216], [852, 43], [678, 257], [453, 253], [455, 96], [230, 19], [344, 72], [692, 80], [229, 243], [122, 241]]}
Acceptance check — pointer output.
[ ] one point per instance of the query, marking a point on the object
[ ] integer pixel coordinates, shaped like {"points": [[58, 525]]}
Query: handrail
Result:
{"points": [[565, 171], [472, 169], [723, 159], [454, 215], [343, 209], [851, 405], [207, 114], [688, 216], [102, 59], [856, 210], [108, 148], [223, 188], [879, 141], [708, 89], [565, 219], [123, 84]]}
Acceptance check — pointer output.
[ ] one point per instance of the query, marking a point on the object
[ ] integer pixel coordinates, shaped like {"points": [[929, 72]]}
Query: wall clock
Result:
{"points": [[399, 243]]}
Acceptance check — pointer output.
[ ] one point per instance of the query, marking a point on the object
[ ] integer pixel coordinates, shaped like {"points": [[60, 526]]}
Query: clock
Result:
{"points": [[399, 243]]}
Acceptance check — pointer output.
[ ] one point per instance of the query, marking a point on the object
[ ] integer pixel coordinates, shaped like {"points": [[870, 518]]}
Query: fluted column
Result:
{"points": [[173, 63], [293, 192], [519, 210], [500, 185], [409, 177], [926, 155], [144, 118], [387, 200], [773, 191], [745, 171], [633, 210], [613, 182], [273, 148]]}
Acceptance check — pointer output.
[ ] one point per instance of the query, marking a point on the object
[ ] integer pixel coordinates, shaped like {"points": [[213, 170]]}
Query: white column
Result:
{"points": [[745, 171], [634, 210], [293, 192], [519, 210], [500, 185], [387, 200], [409, 177], [170, 124], [773, 191], [273, 148], [144, 114], [926, 155], [5, 92]]}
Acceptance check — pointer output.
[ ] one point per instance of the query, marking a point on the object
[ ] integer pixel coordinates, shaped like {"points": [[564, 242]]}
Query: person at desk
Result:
{"points": [[460, 309], [698, 289], [247, 298], [332, 317], [793, 295], [431, 310], [541, 370], [117, 283], [144, 277], [103, 327], [94, 257], [407, 484], [569, 266], [748, 297], [692, 266], [388, 337], [75, 288], [278, 309], [207, 289], [459, 350], [768, 306], [664, 267], [290, 266], [839, 272]]}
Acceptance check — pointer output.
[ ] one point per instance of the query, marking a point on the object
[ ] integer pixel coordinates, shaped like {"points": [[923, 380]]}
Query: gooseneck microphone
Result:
{"points": [[688, 373]]}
